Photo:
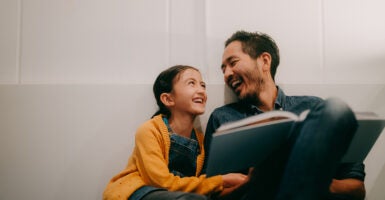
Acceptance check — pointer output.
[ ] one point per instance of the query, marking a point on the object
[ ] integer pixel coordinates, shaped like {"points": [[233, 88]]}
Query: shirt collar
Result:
{"points": [[280, 100], [278, 104]]}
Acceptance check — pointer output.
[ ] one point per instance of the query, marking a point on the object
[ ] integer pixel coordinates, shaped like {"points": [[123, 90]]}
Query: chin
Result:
{"points": [[199, 112], [246, 97], [241, 96]]}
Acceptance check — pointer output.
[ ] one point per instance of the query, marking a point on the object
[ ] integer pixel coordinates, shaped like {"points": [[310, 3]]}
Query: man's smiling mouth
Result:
{"points": [[234, 84]]}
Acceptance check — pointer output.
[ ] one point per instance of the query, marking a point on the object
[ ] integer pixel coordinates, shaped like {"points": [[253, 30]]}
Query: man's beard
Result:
{"points": [[252, 94]]}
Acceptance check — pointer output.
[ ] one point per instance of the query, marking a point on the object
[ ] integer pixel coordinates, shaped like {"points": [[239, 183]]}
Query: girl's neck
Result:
{"points": [[182, 124]]}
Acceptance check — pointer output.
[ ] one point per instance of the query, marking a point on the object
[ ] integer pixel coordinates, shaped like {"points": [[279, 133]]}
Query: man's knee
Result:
{"points": [[337, 111]]}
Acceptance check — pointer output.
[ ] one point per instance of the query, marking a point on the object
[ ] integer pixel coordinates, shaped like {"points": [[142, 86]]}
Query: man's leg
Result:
{"points": [[322, 140], [266, 177]]}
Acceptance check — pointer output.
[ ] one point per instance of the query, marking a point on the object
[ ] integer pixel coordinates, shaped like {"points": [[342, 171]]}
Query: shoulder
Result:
{"points": [[228, 112], [228, 109], [223, 114], [298, 104], [303, 99], [151, 128]]}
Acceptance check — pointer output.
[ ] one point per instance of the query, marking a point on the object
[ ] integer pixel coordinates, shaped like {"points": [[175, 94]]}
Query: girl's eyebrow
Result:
{"points": [[190, 79], [196, 80]]}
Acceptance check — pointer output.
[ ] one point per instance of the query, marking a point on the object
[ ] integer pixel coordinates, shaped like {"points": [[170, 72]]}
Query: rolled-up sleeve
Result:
{"points": [[351, 170]]}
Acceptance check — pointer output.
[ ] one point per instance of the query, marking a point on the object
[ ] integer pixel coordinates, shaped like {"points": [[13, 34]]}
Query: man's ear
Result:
{"points": [[266, 59], [167, 99]]}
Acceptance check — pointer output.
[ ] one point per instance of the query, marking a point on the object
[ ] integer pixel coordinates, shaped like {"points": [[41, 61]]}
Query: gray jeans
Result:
{"points": [[168, 195]]}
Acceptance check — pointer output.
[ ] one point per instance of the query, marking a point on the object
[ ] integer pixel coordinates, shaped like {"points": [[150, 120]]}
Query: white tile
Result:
{"points": [[9, 40], [377, 192], [355, 41], [53, 134], [94, 41], [64, 141], [296, 27], [187, 33]]}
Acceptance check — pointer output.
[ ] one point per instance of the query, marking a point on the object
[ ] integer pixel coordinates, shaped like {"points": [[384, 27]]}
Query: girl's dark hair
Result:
{"points": [[164, 84]]}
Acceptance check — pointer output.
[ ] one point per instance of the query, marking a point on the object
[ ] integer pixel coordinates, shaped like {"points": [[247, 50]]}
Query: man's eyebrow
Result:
{"points": [[227, 60]]}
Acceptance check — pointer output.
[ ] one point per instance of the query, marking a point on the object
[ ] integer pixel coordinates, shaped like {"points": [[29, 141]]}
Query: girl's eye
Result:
{"points": [[203, 85], [191, 83]]}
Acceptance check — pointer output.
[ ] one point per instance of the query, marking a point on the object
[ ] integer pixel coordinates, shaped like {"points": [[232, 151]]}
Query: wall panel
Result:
{"points": [[94, 41], [9, 40], [187, 33], [354, 41], [296, 27]]}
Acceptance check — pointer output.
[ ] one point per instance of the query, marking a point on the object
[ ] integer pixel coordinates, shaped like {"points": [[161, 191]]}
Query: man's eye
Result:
{"points": [[223, 70]]}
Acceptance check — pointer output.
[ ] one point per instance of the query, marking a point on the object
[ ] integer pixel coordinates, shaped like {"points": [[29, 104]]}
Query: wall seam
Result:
{"points": [[19, 41], [205, 43], [168, 24], [323, 41]]}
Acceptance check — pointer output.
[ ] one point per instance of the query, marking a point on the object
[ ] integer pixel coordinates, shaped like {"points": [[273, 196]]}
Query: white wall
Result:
{"points": [[75, 76]]}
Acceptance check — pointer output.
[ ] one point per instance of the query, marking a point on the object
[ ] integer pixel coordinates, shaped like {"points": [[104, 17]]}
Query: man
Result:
{"points": [[307, 167]]}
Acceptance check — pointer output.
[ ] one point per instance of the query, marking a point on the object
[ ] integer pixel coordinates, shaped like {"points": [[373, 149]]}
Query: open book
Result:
{"points": [[245, 143]]}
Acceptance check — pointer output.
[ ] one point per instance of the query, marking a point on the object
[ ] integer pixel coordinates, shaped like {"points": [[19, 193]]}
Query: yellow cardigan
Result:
{"points": [[148, 165]]}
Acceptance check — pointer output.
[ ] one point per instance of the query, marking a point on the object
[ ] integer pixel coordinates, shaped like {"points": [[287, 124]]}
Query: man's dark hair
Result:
{"points": [[255, 44]]}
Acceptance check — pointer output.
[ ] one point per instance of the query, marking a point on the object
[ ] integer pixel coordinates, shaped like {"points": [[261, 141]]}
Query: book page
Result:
{"points": [[259, 119], [366, 115]]}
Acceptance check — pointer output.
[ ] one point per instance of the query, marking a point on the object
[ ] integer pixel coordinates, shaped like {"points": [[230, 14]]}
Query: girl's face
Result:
{"points": [[189, 93]]}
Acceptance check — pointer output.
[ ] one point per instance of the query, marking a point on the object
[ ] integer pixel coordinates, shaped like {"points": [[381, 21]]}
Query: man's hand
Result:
{"points": [[351, 187]]}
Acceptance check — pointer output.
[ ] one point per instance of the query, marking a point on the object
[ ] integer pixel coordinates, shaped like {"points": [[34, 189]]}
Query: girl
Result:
{"points": [[168, 155]]}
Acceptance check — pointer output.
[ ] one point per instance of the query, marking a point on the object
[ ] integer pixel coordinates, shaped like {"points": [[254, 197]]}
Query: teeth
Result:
{"points": [[235, 83], [198, 100]]}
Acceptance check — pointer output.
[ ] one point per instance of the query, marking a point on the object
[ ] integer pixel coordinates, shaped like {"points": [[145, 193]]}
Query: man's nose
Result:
{"points": [[228, 73]]}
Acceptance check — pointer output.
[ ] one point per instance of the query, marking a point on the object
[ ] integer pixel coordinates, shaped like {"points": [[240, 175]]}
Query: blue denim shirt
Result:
{"points": [[296, 104]]}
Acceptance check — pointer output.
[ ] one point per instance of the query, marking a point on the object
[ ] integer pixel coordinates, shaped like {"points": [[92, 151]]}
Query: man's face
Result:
{"points": [[242, 73]]}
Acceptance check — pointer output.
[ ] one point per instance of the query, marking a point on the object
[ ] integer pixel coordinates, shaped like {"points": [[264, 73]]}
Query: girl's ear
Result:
{"points": [[167, 99]]}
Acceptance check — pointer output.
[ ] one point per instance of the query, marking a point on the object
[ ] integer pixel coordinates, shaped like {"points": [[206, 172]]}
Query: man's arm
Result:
{"points": [[348, 182], [353, 188], [210, 129]]}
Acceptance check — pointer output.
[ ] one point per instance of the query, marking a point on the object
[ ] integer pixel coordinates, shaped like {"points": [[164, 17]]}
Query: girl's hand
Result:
{"points": [[235, 186]]}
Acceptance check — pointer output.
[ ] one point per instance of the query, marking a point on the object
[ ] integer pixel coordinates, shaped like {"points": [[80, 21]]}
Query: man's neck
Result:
{"points": [[267, 97]]}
